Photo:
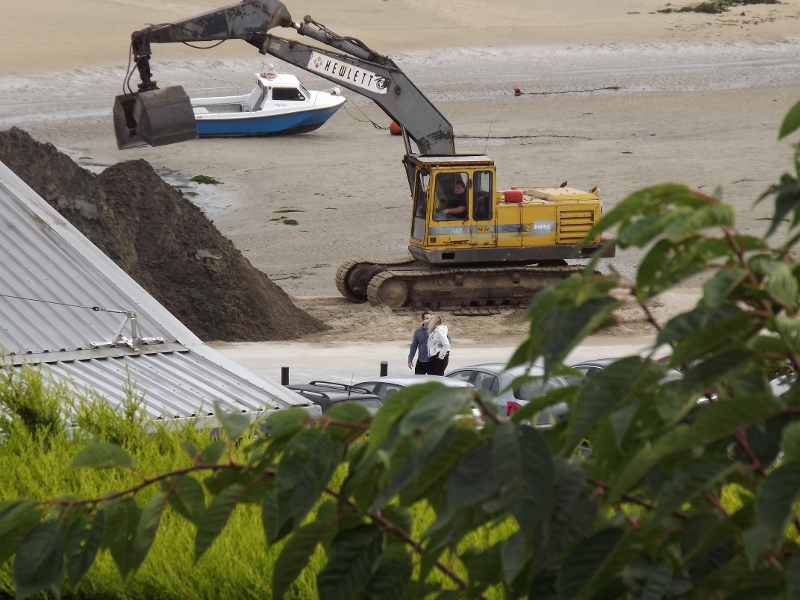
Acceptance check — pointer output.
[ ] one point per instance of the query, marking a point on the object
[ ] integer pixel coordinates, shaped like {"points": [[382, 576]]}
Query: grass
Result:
{"points": [[713, 7], [206, 179]]}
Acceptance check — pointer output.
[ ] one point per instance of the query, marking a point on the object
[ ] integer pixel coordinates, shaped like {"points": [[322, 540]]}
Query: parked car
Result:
{"points": [[383, 387], [328, 393], [495, 378], [589, 368]]}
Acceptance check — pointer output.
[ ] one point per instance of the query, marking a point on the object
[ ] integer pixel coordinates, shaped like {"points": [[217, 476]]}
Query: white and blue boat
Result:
{"points": [[279, 104]]}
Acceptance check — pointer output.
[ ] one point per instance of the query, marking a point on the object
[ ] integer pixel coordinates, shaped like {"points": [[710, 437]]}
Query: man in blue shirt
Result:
{"points": [[420, 344]]}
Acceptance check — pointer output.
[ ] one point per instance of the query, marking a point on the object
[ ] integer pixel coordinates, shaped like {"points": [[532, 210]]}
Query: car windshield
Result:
{"points": [[371, 405], [535, 387]]}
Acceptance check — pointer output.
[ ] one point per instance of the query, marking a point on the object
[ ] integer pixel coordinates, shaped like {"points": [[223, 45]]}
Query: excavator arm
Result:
{"points": [[158, 117]]}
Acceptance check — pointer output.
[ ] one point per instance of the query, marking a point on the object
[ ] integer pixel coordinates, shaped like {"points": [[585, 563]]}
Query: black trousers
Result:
{"points": [[421, 368], [436, 365]]}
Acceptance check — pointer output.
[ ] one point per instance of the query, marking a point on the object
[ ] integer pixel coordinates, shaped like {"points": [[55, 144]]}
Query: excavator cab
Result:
{"points": [[443, 231], [544, 225]]}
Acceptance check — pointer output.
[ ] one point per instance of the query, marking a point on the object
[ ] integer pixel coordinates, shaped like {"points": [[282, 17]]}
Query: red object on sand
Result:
{"points": [[394, 128], [517, 91]]}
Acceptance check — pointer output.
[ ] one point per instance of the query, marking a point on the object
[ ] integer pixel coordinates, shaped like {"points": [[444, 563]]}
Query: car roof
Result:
{"points": [[597, 362], [498, 368], [415, 380], [335, 392]]}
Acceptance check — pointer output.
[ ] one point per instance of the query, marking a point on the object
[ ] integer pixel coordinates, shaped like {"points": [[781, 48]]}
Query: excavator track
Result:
{"points": [[353, 277], [454, 289]]}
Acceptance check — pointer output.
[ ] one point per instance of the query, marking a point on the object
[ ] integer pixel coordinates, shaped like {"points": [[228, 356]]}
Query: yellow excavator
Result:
{"points": [[478, 247]]}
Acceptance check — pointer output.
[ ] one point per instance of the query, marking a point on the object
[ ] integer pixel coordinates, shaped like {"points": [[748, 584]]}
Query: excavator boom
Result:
{"points": [[158, 117]]}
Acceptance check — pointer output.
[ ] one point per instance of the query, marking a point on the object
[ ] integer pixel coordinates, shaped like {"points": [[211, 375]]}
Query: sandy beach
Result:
{"points": [[615, 94]]}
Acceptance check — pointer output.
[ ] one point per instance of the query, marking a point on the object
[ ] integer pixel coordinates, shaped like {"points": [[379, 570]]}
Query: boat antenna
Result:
{"points": [[487, 137]]}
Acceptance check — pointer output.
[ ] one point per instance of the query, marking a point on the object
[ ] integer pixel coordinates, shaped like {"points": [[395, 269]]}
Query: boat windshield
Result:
{"points": [[287, 93], [306, 93]]}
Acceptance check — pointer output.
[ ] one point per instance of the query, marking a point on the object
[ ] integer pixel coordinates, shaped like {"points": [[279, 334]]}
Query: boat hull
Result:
{"points": [[253, 124]]}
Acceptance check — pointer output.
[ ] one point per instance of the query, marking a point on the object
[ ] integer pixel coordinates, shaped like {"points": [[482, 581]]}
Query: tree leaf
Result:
{"points": [[648, 579], [764, 441], [215, 517], [40, 559], [356, 553], [101, 456], [428, 421], [667, 264], [782, 285], [234, 424], [437, 544], [303, 472], [285, 422], [17, 518], [348, 412], [793, 576], [757, 542], [777, 494], [186, 496], [148, 526], [484, 566], [697, 219], [791, 442], [398, 516], [791, 122], [394, 407], [529, 413], [514, 556], [524, 471], [708, 336], [121, 522], [211, 454], [720, 419], [390, 580], [566, 328], [609, 388], [698, 319], [586, 560], [435, 468], [718, 288], [645, 458], [573, 513], [787, 199], [690, 481], [82, 542], [715, 369], [472, 481], [297, 551]]}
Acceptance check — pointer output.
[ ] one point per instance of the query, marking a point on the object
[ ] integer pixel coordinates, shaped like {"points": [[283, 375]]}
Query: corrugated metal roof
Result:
{"points": [[66, 306]]}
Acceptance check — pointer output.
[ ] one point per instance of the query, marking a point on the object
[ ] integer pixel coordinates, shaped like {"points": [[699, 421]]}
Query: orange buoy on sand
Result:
{"points": [[394, 128]]}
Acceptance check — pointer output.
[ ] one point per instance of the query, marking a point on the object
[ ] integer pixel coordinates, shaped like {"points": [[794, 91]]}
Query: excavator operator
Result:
{"points": [[455, 207]]}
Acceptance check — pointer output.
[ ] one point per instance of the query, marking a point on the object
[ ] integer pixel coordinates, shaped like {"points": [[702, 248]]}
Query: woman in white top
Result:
{"points": [[438, 346]]}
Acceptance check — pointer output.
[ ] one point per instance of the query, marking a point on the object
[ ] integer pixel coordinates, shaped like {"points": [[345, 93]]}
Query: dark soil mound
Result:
{"points": [[163, 241]]}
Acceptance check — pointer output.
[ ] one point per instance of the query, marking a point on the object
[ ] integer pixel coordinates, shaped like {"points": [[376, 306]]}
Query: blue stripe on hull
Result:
{"points": [[266, 125]]}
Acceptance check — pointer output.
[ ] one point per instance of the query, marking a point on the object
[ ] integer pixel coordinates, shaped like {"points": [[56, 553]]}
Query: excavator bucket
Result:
{"points": [[155, 118]]}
